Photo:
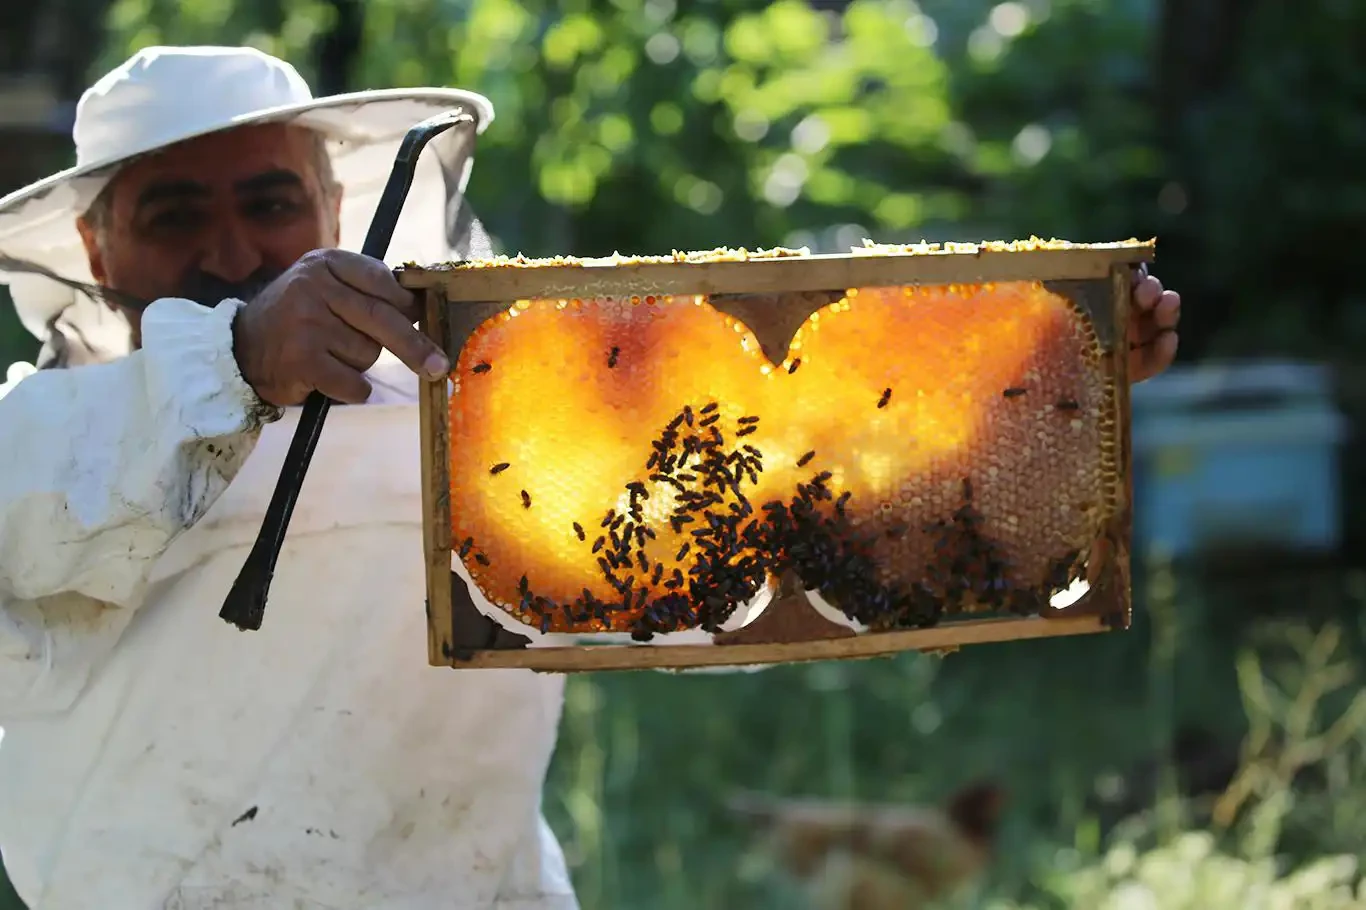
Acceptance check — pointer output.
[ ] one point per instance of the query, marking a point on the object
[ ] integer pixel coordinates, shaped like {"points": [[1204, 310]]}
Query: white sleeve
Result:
{"points": [[101, 467]]}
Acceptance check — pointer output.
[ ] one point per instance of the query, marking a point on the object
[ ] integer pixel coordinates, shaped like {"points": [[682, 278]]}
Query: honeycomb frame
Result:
{"points": [[772, 293]]}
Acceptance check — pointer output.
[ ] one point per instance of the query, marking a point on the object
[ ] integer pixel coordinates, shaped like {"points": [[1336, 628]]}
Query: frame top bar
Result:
{"points": [[773, 271]]}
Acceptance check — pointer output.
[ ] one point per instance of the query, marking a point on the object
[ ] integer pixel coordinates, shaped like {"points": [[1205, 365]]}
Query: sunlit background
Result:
{"points": [[1234, 132]]}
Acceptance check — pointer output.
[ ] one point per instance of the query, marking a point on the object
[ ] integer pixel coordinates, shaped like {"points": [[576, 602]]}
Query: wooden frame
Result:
{"points": [[459, 298]]}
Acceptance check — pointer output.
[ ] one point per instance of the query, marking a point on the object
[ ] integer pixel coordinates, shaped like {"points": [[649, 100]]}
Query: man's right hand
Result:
{"points": [[322, 324]]}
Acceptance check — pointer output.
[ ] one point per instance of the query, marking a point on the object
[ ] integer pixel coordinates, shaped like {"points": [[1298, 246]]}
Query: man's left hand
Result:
{"points": [[1152, 327]]}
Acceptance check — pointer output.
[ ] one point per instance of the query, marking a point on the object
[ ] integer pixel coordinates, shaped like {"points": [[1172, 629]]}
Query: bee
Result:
{"points": [[499, 468], [612, 357], [578, 531], [482, 367], [1067, 404], [1013, 392], [526, 500], [806, 459], [481, 559], [747, 420], [746, 430], [886, 397], [792, 368], [709, 408], [466, 546], [1060, 573]]}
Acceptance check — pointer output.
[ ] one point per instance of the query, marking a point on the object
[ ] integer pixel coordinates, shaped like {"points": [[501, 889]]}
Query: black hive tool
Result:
{"points": [[245, 604]]}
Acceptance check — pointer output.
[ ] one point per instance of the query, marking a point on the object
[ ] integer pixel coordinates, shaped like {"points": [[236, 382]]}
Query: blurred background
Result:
{"points": [[1210, 757]]}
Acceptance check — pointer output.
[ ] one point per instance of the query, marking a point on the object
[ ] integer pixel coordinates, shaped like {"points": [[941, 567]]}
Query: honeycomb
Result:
{"points": [[638, 465]]}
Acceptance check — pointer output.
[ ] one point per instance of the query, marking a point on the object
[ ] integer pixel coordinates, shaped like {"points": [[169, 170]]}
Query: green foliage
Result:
{"points": [[1284, 207], [1255, 868], [743, 126], [645, 761], [1190, 873], [645, 125], [15, 343]]}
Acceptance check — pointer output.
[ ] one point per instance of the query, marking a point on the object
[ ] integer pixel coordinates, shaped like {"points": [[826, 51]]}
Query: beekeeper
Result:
{"points": [[154, 756]]}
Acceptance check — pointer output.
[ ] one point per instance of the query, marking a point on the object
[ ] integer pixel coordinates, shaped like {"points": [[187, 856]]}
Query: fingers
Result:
{"points": [[340, 381], [380, 309], [322, 323], [1147, 292], [350, 346], [1164, 351], [371, 278], [1152, 328], [1148, 359], [1167, 310], [376, 319]]}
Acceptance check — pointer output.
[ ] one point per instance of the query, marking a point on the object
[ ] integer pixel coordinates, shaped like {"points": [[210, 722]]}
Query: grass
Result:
{"points": [[646, 759]]}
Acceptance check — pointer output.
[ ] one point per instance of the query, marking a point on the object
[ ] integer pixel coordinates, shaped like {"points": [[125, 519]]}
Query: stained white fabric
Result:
{"points": [[156, 757]]}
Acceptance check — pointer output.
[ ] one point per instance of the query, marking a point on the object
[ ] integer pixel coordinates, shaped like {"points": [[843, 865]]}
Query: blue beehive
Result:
{"points": [[1236, 455]]}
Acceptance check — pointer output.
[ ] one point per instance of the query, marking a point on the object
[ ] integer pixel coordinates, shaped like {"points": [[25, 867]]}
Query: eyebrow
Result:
{"points": [[177, 190], [269, 180]]}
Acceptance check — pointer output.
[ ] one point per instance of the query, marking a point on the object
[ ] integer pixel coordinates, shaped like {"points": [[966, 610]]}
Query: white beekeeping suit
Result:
{"points": [[155, 756]]}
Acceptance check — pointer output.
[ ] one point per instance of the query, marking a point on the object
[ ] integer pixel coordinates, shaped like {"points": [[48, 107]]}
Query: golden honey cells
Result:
{"points": [[637, 464]]}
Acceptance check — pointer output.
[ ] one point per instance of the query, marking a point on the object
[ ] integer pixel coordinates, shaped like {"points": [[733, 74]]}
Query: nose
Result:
{"points": [[230, 253]]}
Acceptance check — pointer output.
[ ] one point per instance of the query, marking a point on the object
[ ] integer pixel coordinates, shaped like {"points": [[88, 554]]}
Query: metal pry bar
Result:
{"points": [[245, 604]]}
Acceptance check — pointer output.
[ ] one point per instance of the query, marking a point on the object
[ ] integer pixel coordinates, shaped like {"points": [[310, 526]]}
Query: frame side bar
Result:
{"points": [[433, 415]]}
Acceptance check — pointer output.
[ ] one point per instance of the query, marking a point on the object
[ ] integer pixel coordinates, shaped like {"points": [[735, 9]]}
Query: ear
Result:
{"points": [[93, 253]]}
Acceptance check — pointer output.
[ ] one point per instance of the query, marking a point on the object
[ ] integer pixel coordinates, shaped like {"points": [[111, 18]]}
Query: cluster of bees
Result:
{"points": [[732, 547]]}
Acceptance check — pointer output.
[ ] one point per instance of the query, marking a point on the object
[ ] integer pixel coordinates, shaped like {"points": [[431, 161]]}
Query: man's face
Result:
{"points": [[211, 216]]}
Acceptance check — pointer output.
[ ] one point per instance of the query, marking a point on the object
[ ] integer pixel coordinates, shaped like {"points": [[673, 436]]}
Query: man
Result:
{"points": [[153, 755]]}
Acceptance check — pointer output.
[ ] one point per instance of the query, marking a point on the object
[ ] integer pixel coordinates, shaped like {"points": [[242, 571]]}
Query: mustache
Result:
{"points": [[209, 290], [200, 286]]}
